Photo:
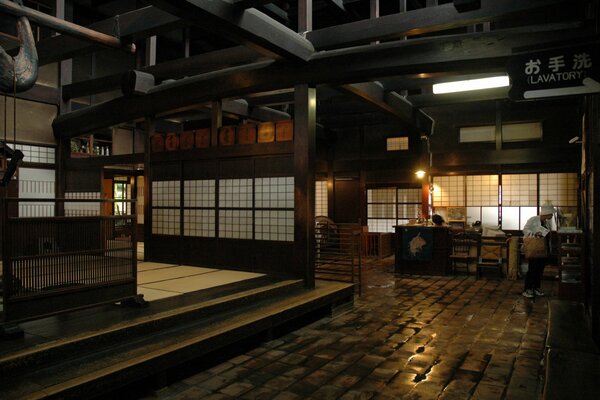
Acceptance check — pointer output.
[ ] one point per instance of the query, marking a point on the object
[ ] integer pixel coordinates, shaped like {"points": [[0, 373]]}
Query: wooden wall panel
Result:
{"points": [[166, 171], [199, 251], [274, 166], [85, 180], [164, 248], [236, 168], [199, 169]]}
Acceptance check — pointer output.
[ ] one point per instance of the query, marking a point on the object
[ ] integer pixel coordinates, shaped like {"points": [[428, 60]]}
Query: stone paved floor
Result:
{"points": [[407, 337]]}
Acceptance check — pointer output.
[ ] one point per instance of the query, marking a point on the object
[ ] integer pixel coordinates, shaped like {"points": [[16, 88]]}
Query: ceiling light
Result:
{"points": [[420, 174], [471, 84]]}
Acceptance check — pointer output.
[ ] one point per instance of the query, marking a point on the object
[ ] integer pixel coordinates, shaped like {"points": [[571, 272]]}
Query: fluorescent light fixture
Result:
{"points": [[420, 174], [471, 84]]}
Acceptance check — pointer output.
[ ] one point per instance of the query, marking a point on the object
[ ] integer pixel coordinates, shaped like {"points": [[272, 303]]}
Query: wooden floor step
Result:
{"points": [[147, 323], [129, 361]]}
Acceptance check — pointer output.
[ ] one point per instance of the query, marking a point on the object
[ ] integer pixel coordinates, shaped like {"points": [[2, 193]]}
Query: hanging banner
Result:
{"points": [[551, 73]]}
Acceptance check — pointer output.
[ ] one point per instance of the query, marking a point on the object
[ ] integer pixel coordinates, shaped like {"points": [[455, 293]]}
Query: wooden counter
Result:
{"points": [[422, 250]]}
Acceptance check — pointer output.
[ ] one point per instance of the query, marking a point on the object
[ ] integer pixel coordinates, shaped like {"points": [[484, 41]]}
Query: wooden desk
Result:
{"points": [[430, 258]]}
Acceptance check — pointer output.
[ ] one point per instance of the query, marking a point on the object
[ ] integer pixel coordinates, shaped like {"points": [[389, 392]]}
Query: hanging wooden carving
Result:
{"points": [[227, 135], [186, 140], [172, 141], [19, 73]]}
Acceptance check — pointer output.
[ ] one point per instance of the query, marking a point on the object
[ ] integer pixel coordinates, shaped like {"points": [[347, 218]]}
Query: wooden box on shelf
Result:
{"points": [[186, 140], [157, 143], [247, 134], [570, 265], [226, 135], [202, 138], [284, 130], [266, 132], [172, 141]]}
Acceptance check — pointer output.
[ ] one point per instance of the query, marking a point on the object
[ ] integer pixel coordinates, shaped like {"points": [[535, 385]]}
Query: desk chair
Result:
{"points": [[461, 247], [489, 255]]}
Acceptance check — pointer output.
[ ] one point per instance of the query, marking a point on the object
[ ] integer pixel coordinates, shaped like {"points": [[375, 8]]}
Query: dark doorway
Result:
{"points": [[347, 200]]}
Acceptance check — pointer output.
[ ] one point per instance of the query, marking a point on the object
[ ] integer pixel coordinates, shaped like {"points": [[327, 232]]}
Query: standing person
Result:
{"points": [[539, 226]]}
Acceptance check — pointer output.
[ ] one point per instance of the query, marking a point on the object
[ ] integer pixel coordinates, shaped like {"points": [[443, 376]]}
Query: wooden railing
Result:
{"points": [[338, 253], [62, 263]]}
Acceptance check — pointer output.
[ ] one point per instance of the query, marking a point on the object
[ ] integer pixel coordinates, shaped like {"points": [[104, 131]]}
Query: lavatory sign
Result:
{"points": [[560, 72]]}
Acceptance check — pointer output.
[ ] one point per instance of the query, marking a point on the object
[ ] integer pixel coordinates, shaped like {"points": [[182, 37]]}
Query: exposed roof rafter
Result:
{"points": [[419, 21], [249, 27], [448, 53]]}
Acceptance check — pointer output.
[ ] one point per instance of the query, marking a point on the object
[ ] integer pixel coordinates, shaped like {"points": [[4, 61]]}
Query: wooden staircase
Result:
{"points": [[101, 361]]}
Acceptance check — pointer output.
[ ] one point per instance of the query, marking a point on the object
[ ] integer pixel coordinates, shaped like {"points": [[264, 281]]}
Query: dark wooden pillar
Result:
{"points": [[305, 18], [374, 12], [498, 130], [305, 99], [64, 10], [216, 122], [149, 128]]}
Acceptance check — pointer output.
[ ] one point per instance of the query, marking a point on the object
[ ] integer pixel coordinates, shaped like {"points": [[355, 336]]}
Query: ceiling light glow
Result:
{"points": [[471, 84]]}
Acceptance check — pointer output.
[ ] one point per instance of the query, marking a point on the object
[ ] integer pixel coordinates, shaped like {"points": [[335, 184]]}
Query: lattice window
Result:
{"points": [[199, 214], [560, 189], [37, 154], [381, 225], [36, 183], [165, 194], [519, 190], [166, 200], [274, 192], [387, 207], [321, 205], [165, 221], [235, 193], [274, 203], [275, 225], [139, 205], [199, 193], [235, 224], [449, 191], [397, 143], [199, 222], [482, 190], [73, 209]]}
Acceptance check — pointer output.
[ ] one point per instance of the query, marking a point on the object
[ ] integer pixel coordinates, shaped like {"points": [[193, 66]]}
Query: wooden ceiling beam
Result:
{"points": [[390, 103], [436, 100], [242, 109], [136, 25], [195, 65], [456, 53], [420, 21], [249, 27]]}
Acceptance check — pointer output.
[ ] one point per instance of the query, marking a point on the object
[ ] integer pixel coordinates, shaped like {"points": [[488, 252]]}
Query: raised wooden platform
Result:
{"points": [[139, 343], [572, 357]]}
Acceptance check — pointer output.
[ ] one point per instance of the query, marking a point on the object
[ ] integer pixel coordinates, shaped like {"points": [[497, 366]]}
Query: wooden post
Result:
{"points": [[64, 11], [150, 126], [216, 122], [305, 100], [305, 17]]}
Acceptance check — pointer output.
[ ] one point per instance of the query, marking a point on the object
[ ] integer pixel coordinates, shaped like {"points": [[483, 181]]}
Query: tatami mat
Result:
{"points": [[147, 266], [158, 281], [154, 294], [162, 274], [199, 282]]}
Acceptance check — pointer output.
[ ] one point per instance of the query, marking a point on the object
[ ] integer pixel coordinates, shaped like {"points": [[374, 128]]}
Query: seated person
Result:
{"points": [[437, 220]]}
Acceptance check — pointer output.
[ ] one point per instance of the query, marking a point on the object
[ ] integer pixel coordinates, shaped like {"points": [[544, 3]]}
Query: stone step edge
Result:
{"points": [[20, 357], [272, 315]]}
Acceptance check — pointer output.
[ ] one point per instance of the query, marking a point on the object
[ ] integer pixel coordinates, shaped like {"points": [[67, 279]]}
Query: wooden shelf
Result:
{"points": [[570, 268]]}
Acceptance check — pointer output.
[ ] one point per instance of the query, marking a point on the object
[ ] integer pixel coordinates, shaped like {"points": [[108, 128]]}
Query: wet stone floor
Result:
{"points": [[407, 337]]}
